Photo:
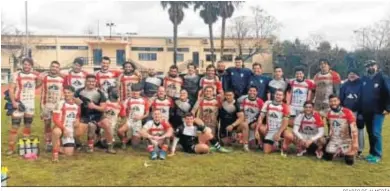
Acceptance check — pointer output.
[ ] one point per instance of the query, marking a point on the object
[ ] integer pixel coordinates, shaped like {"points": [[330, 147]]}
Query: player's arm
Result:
{"points": [[354, 131], [57, 117], [77, 96], [263, 112], [336, 83], [286, 117], [297, 125], [144, 132], [11, 89], [168, 130], [310, 91], [176, 140], [195, 108], [39, 81], [288, 94], [240, 119], [147, 109]]}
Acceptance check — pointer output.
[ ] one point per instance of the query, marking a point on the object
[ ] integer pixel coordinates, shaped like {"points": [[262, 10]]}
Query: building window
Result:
{"points": [[249, 60], [10, 46], [180, 57], [228, 58], [147, 56], [43, 47], [97, 56], [208, 57], [120, 57], [179, 49], [74, 47], [148, 49], [229, 50], [209, 50]]}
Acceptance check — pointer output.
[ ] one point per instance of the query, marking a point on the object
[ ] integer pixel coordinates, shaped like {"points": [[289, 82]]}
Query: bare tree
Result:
{"points": [[254, 34]]}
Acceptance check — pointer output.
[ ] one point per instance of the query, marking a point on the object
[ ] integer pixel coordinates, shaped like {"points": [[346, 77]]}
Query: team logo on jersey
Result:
{"points": [[261, 81], [110, 112], [242, 75], [298, 91], [364, 83], [77, 83], [273, 115], [208, 111], [106, 83], [376, 85], [172, 86], [232, 73], [53, 87], [28, 85], [336, 124], [71, 115], [308, 128], [136, 108], [250, 110]]}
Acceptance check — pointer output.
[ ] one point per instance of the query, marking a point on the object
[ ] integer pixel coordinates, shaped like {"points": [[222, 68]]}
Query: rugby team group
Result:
{"points": [[323, 116]]}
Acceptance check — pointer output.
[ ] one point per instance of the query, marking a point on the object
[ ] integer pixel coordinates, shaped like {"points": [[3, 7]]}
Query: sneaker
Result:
{"points": [[49, 147], [223, 150], [55, 158], [246, 148], [369, 157], [89, 149], [374, 160], [163, 155], [319, 154], [300, 153], [153, 155], [10, 152], [111, 149], [360, 156], [124, 146], [213, 149]]}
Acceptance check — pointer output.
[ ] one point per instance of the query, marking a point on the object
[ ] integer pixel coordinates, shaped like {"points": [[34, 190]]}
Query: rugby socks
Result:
{"points": [[26, 132], [90, 143], [11, 144], [215, 143], [150, 148]]}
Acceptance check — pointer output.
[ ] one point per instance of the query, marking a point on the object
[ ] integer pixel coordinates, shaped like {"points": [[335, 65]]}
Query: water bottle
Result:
{"points": [[28, 146], [22, 148], [34, 146], [4, 176]]}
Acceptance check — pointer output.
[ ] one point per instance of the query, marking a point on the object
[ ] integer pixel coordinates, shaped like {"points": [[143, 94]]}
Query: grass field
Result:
{"points": [[126, 168]]}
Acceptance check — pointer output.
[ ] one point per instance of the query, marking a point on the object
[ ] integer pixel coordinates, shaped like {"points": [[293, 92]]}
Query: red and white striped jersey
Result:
{"points": [[25, 84], [164, 106], [52, 89], [309, 125], [275, 114], [76, 80], [136, 106], [216, 84], [251, 108], [106, 79], [125, 84], [67, 113], [156, 129], [300, 91], [340, 123], [173, 86]]}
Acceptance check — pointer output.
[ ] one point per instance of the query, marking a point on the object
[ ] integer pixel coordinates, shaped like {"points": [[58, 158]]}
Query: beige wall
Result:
{"points": [[109, 47]]}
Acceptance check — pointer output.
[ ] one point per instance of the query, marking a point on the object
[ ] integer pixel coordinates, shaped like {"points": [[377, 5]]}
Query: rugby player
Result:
{"points": [[163, 103], [127, 79], [279, 82], [191, 81], [181, 106], [137, 109], [106, 77], [22, 94], [343, 132], [66, 115], [277, 116], [309, 131], [52, 93], [237, 77], [210, 80], [259, 81], [151, 84], [76, 76], [173, 82], [157, 132]]}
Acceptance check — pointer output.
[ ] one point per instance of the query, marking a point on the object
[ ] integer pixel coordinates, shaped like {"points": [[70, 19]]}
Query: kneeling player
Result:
{"points": [[277, 114], [157, 131], [309, 131], [137, 109], [194, 138], [66, 115], [343, 132], [113, 110]]}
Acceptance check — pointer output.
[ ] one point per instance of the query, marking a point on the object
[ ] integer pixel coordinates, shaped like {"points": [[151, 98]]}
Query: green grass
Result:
{"points": [[126, 168]]}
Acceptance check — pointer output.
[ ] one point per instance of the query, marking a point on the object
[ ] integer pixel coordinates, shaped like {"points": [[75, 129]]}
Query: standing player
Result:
{"points": [[22, 94], [238, 77], [259, 81], [326, 82], [298, 92], [309, 131], [230, 118], [163, 103], [127, 80], [137, 110], [277, 116], [279, 82], [173, 82], [106, 77], [151, 84], [210, 80], [181, 106], [343, 132], [76, 76], [194, 136], [251, 107], [190, 82], [52, 93], [221, 73], [206, 108], [157, 131], [92, 102], [66, 115]]}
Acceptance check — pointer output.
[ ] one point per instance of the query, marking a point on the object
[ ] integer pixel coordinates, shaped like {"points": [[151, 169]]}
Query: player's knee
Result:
{"points": [[91, 129], [328, 156], [28, 121], [57, 132], [16, 122], [13, 131], [349, 160], [202, 149]]}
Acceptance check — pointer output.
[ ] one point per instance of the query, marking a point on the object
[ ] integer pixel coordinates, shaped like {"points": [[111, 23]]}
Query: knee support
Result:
{"points": [[16, 122], [28, 121], [91, 129], [349, 160]]}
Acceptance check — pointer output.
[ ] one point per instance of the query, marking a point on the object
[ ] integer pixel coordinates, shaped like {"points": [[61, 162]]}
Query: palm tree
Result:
{"points": [[176, 15], [226, 11], [209, 14]]}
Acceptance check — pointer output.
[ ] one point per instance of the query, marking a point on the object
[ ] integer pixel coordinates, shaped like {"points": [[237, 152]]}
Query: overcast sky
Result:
{"points": [[336, 21]]}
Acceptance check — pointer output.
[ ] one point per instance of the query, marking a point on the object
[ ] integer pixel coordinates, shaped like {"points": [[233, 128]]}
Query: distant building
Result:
{"points": [[146, 52]]}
